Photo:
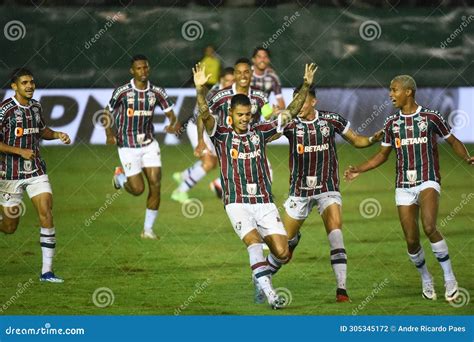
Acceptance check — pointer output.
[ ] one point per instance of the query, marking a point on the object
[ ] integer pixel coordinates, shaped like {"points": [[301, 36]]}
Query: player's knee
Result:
{"points": [[136, 190], [282, 253], [429, 229], [209, 164]]}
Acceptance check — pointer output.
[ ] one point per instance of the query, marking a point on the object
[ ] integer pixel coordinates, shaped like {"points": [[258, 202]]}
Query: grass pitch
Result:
{"points": [[200, 267]]}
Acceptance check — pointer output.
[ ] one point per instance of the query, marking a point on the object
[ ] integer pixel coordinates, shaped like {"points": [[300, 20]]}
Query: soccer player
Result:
{"points": [[314, 180], [21, 129], [247, 195], [220, 102], [133, 105], [264, 77], [188, 178], [412, 132]]}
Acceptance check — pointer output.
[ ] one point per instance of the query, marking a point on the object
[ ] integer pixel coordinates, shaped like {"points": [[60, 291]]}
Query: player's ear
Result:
{"points": [[131, 71], [14, 86]]}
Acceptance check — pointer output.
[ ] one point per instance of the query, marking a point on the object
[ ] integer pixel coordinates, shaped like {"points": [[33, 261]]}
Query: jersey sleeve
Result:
{"points": [[277, 86], [41, 123], [217, 130], [163, 100], [288, 130], [341, 125], [440, 125], [269, 128], [114, 100], [387, 134]]}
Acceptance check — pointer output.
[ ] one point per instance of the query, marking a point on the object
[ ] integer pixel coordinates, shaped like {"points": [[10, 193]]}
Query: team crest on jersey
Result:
{"points": [[151, 98], [130, 97], [255, 139], [300, 133], [395, 129], [422, 125], [325, 130], [18, 114]]}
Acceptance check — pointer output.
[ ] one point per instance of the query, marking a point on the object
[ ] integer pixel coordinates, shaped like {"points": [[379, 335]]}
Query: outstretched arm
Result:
{"points": [[460, 149], [48, 134], [207, 120], [361, 141], [22, 152], [295, 106], [378, 159]]}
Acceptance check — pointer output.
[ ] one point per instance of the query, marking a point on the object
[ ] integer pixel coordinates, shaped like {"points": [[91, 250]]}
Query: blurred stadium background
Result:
{"points": [[80, 50]]}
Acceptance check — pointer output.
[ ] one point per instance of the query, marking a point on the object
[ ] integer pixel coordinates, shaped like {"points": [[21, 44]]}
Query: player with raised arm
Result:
{"points": [[21, 129], [188, 178], [413, 132], [132, 106], [247, 194], [314, 180], [264, 77]]}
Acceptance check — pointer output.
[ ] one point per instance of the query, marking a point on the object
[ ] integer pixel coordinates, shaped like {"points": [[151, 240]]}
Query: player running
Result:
{"points": [[314, 180], [412, 132], [247, 195], [264, 77], [188, 178], [21, 129], [133, 106]]}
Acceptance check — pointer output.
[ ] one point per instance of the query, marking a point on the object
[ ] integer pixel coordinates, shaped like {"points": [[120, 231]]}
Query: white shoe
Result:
{"points": [[429, 291], [149, 235], [451, 290]]}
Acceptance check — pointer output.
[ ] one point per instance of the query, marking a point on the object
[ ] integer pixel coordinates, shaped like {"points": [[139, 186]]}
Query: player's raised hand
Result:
{"points": [[199, 75], [64, 138], [200, 149], [351, 173], [27, 154], [309, 72]]}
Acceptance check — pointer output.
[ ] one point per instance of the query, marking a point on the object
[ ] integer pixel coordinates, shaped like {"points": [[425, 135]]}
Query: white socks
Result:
{"points": [[418, 259], [260, 270], [338, 257], [440, 250], [48, 245], [191, 176], [150, 217]]}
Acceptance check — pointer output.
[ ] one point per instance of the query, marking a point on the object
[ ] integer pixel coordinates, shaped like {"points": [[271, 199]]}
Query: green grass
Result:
{"points": [[157, 278]]}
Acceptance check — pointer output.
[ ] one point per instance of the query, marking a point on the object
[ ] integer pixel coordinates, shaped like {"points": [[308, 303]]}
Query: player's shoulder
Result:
{"points": [[329, 115], [158, 90], [430, 112], [35, 104], [391, 118], [7, 104], [272, 74], [223, 93], [258, 94], [122, 89]]}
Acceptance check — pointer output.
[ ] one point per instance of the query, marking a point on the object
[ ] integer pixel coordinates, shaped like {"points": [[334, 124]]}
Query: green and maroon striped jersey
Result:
{"points": [[133, 111], [21, 126], [413, 137], [313, 159], [244, 171]]}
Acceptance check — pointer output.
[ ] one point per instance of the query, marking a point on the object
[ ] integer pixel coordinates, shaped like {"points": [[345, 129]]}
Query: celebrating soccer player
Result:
{"points": [[264, 77], [247, 195], [412, 132], [21, 129], [314, 180], [188, 178], [133, 105]]}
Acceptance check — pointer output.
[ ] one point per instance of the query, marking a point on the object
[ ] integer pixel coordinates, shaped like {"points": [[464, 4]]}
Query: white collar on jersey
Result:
{"points": [[234, 89], [132, 82], [312, 121], [19, 104], [412, 114]]}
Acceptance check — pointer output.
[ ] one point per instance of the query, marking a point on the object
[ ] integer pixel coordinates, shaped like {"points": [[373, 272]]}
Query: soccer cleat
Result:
{"points": [[117, 174], [278, 303], [259, 295], [342, 296], [216, 188], [429, 291], [179, 196], [452, 292], [149, 235], [178, 177], [50, 278]]}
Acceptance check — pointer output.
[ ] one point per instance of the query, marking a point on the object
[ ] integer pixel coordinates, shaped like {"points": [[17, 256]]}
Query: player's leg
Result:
{"points": [[129, 176], [153, 176], [41, 196], [10, 218], [429, 203], [11, 195]]}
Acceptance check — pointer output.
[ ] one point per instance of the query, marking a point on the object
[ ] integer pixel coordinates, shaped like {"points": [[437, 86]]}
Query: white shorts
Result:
{"points": [[261, 216], [299, 208], [191, 130], [409, 196], [11, 191], [135, 159]]}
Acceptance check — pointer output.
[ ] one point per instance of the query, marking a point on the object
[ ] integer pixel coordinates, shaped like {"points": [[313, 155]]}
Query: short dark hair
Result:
{"points": [[18, 72], [311, 91], [227, 71], [243, 60], [239, 99], [138, 58], [260, 48]]}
